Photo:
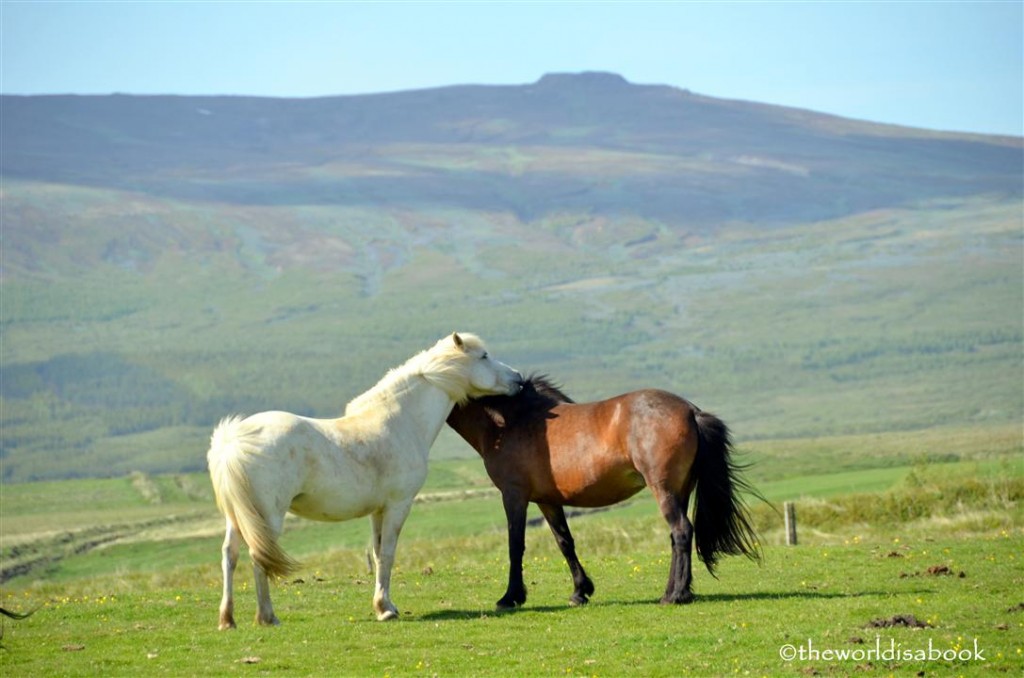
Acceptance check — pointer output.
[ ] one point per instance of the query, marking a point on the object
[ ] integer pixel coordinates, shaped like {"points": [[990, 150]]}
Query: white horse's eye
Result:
{"points": [[484, 356]]}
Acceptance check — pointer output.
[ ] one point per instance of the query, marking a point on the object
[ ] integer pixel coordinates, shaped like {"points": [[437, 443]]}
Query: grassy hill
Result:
{"points": [[170, 260]]}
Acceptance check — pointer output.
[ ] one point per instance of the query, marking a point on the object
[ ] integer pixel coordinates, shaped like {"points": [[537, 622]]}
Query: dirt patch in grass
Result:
{"points": [[906, 620]]}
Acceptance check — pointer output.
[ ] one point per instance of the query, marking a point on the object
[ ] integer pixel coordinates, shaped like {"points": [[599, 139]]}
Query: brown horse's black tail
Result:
{"points": [[722, 521], [13, 615]]}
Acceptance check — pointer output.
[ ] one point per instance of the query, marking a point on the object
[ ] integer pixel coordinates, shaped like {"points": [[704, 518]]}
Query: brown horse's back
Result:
{"points": [[597, 454]]}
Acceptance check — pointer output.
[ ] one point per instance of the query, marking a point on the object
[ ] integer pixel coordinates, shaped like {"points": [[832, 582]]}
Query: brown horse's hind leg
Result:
{"points": [[584, 588], [680, 576]]}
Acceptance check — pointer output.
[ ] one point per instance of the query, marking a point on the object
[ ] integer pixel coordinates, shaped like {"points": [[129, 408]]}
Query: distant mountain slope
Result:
{"points": [[589, 142]]}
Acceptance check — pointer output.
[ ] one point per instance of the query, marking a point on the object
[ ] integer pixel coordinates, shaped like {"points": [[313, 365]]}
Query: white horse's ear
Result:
{"points": [[458, 340]]}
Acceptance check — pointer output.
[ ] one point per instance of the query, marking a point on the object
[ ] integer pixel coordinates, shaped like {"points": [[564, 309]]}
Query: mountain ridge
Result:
{"points": [[591, 142], [598, 81]]}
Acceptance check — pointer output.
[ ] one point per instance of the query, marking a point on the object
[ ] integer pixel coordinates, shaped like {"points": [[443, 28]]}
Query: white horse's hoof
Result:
{"points": [[387, 615]]}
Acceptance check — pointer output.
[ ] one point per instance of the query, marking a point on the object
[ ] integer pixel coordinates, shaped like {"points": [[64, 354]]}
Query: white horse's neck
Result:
{"points": [[411, 404], [425, 407]]}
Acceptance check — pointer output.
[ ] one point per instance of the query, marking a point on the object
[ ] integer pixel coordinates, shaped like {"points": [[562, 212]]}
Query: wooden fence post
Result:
{"points": [[789, 510]]}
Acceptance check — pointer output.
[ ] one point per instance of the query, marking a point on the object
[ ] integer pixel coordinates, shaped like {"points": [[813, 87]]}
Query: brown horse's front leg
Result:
{"points": [[584, 588], [515, 513]]}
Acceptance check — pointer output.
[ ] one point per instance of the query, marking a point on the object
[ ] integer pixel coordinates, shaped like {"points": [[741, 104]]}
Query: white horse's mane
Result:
{"points": [[444, 365]]}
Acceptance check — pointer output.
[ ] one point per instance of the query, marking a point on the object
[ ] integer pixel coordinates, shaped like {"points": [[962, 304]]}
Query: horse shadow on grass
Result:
{"points": [[450, 615]]}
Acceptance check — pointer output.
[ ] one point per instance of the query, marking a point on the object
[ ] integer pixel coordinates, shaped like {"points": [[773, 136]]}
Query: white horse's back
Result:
{"points": [[320, 469]]}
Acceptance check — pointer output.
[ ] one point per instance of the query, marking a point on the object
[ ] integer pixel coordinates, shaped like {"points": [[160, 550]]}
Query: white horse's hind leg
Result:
{"points": [[387, 526], [264, 610], [228, 563]]}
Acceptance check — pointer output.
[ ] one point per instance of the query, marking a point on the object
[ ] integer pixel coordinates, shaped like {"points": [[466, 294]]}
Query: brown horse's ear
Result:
{"points": [[497, 417], [458, 341]]}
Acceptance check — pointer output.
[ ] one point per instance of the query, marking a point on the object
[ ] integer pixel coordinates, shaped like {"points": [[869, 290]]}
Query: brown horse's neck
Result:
{"points": [[480, 422], [471, 421]]}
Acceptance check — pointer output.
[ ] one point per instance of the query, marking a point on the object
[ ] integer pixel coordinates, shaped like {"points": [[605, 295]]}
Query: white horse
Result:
{"points": [[371, 461]]}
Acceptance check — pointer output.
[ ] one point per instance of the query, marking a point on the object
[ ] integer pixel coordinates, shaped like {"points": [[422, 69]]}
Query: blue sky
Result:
{"points": [[940, 65]]}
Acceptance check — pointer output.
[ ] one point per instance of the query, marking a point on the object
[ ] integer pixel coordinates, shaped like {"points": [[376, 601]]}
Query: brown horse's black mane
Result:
{"points": [[538, 396], [541, 386]]}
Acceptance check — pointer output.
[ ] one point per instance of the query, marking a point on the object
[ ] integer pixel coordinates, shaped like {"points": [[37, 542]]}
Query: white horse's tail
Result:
{"points": [[230, 446]]}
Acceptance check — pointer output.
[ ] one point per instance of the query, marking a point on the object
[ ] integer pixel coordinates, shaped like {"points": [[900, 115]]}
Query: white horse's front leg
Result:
{"points": [[228, 562], [376, 521], [387, 525]]}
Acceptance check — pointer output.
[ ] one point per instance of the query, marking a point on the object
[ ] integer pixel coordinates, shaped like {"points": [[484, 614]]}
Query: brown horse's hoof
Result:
{"points": [[684, 598], [510, 603], [511, 600]]}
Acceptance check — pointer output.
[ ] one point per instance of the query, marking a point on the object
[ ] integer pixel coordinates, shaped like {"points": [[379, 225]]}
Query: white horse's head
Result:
{"points": [[468, 371], [487, 376]]}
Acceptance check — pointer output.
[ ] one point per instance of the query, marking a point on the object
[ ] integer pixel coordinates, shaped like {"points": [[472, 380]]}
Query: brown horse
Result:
{"points": [[542, 447]]}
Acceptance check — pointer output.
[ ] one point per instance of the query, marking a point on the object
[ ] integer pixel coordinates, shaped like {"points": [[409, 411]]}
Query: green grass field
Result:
{"points": [[812, 596], [876, 543]]}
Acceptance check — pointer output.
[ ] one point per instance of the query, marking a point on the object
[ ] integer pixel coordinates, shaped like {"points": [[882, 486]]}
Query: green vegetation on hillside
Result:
{"points": [[896, 320]]}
